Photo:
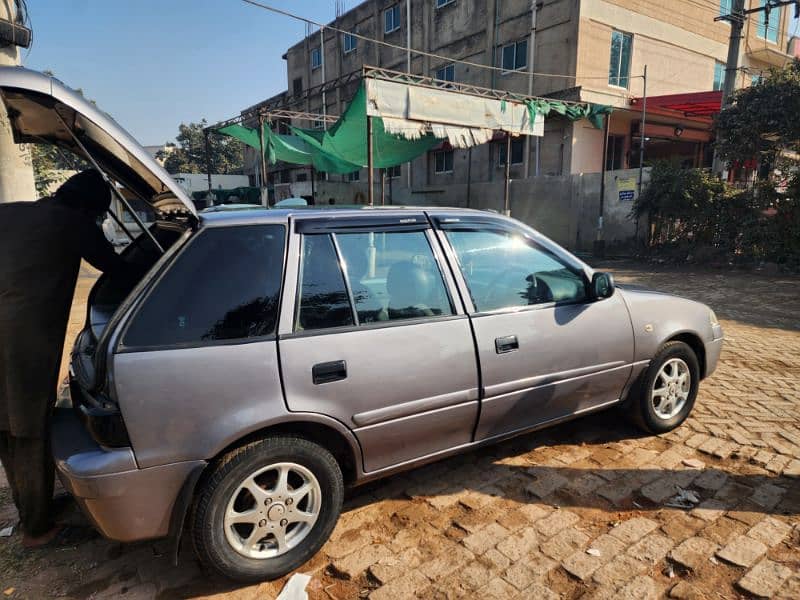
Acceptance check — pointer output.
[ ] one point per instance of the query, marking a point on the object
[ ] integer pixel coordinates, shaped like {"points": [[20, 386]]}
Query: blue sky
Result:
{"points": [[153, 64]]}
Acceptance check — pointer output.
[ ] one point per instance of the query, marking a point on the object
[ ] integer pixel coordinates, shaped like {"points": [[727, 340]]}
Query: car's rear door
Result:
{"points": [[371, 335], [546, 349]]}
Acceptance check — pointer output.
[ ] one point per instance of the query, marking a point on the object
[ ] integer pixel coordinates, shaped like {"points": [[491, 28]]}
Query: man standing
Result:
{"points": [[41, 247]]}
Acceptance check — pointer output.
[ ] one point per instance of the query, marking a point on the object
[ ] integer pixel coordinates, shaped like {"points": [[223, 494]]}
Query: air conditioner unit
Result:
{"points": [[14, 34]]}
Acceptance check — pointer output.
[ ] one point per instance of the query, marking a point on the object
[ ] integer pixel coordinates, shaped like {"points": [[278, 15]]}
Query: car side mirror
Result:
{"points": [[602, 285]]}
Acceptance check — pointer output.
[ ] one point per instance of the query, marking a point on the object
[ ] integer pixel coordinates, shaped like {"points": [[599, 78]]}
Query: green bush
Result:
{"points": [[692, 214]]}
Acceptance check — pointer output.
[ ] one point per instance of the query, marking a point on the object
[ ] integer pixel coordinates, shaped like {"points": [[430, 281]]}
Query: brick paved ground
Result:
{"points": [[573, 512]]}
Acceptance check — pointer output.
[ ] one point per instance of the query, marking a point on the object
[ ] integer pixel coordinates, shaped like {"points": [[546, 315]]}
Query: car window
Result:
{"points": [[224, 286], [322, 296], [505, 270], [393, 275]]}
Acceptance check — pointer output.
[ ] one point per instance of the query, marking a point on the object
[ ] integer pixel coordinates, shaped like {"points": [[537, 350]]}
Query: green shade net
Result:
{"points": [[291, 148], [347, 139], [343, 147], [574, 112]]}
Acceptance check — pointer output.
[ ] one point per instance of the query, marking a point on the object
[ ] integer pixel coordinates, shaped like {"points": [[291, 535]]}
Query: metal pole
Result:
{"points": [[736, 19], [313, 193], [531, 60], [383, 187], [469, 175], [370, 174], [114, 189], [264, 182], [408, 36], [506, 199], [642, 128], [599, 249], [208, 158]]}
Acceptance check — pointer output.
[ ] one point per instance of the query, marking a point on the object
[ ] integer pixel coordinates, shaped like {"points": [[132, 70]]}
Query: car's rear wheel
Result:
{"points": [[666, 391], [266, 508]]}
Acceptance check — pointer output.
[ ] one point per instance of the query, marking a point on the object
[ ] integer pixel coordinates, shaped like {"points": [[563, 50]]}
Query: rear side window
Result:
{"points": [[393, 275], [371, 277], [323, 301], [224, 286]]}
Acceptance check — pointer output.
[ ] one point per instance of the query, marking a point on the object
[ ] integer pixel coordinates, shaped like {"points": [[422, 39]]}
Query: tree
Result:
{"points": [[189, 155], [762, 121]]}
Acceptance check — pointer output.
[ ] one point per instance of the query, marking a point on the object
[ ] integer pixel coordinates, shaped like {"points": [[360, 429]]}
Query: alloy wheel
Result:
{"points": [[272, 510]]}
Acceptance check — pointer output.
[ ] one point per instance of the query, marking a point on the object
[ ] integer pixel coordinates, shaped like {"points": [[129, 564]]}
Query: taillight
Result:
{"points": [[101, 418]]}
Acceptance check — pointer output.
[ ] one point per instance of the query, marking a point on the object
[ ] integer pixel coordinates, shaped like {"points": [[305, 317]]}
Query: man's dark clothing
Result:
{"points": [[41, 246], [29, 468]]}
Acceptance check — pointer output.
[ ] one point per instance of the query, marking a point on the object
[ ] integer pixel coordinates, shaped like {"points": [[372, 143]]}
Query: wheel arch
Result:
{"points": [[344, 448], [696, 344]]}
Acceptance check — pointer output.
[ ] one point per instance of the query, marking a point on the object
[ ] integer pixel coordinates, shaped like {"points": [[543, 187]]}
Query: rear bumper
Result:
{"points": [[123, 502]]}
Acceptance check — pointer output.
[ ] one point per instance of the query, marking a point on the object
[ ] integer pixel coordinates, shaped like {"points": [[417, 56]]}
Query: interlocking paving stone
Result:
{"points": [[743, 551], [770, 531], [651, 548], [401, 588], [557, 521], [564, 543], [483, 539], [633, 530], [694, 552], [765, 578]]}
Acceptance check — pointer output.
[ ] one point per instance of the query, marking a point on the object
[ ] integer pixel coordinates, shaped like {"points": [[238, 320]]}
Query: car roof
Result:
{"points": [[282, 215]]}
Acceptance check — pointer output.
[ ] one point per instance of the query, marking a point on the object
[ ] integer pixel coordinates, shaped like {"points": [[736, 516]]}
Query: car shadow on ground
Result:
{"points": [[523, 470], [588, 483]]}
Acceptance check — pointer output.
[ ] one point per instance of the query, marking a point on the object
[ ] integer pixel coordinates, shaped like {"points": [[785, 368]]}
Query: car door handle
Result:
{"points": [[505, 344], [329, 371]]}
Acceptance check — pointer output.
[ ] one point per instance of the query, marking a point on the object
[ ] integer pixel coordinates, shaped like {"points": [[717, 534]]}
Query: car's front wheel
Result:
{"points": [[266, 508], [666, 391]]}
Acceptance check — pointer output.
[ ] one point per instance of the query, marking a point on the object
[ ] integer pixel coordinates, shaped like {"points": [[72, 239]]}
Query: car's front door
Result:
{"points": [[371, 335], [546, 349]]}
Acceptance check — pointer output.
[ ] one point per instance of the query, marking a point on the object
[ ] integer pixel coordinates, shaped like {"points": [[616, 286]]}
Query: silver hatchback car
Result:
{"points": [[269, 358]]}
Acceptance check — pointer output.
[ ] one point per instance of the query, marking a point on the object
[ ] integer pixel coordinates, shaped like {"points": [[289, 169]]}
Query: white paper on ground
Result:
{"points": [[295, 588], [6, 531]]}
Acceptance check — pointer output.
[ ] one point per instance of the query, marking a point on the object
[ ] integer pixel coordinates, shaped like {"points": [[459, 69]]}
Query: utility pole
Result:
{"points": [[16, 168], [737, 18]]}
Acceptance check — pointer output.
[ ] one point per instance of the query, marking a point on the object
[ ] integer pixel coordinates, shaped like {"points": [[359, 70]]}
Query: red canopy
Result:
{"points": [[696, 104]]}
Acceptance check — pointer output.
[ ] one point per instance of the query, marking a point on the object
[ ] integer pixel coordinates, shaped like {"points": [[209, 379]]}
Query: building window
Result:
{"points": [[354, 176], [446, 73], [719, 75], [349, 42], [441, 3], [517, 152], [725, 8], [768, 29], [297, 86], [393, 172], [615, 153], [301, 177], [620, 64], [443, 161], [318, 124], [316, 58], [755, 79], [515, 56], [391, 19]]}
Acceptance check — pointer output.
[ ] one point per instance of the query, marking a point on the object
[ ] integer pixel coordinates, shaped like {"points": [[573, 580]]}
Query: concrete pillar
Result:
{"points": [[16, 170]]}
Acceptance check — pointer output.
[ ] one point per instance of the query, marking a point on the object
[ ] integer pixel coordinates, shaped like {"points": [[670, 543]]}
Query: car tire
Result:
{"points": [[250, 523], [665, 393]]}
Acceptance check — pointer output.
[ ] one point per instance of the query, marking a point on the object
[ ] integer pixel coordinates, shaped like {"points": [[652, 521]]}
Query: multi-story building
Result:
{"points": [[586, 50]]}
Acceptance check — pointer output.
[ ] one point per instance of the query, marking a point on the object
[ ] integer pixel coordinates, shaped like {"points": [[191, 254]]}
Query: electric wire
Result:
{"points": [[448, 59]]}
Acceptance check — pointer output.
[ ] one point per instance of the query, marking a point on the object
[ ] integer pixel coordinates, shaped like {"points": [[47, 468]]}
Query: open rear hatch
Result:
{"points": [[42, 110]]}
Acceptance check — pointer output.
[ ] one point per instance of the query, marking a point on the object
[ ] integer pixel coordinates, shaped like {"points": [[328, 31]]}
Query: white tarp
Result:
{"points": [[465, 120]]}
